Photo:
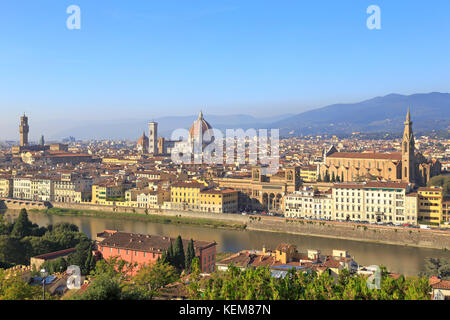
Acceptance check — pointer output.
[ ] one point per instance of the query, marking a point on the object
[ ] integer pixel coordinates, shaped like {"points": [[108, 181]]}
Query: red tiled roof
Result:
{"points": [[56, 254], [442, 284], [148, 243]]}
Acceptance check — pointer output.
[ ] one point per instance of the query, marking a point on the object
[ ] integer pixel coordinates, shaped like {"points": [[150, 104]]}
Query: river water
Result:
{"points": [[398, 259]]}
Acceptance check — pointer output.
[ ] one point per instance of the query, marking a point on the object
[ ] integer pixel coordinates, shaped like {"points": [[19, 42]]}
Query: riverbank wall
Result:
{"points": [[329, 229]]}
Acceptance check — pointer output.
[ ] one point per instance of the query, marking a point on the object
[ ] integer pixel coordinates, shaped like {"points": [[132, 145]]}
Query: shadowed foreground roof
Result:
{"points": [[148, 243]]}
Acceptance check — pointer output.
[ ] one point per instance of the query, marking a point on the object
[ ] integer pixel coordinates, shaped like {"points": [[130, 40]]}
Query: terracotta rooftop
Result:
{"points": [[56, 254], [148, 243]]}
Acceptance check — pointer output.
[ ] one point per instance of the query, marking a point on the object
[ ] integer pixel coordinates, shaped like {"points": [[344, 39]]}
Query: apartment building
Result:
{"points": [[309, 173], [387, 202], [72, 188], [6, 187], [411, 208], [22, 188], [106, 193], [219, 201], [430, 205], [42, 189], [308, 203], [186, 195], [149, 198]]}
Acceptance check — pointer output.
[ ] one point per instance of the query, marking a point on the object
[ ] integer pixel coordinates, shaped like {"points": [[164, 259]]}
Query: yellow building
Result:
{"points": [[6, 187], [119, 161], [430, 205], [107, 193], [309, 173], [219, 201], [186, 195], [446, 211]]}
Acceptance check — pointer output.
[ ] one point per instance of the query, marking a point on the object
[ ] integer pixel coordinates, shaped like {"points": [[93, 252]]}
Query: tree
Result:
{"points": [[327, 176], [190, 254], [258, 283], [178, 254], [333, 177], [439, 267], [63, 227], [13, 287], [12, 251], [441, 181], [342, 176], [102, 288], [107, 282], [82, 257], [5, 226], [194, 285], [57, 265], [150, 279], [22, 226], [319, 178], [169, 255]]}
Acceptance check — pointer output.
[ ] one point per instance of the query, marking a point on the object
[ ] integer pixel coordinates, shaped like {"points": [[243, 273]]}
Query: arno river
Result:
{"points": [[399, 259]]}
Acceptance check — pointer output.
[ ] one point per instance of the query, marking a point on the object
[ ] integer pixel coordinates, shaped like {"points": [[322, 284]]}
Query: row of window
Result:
{"points": [[127, 252]]}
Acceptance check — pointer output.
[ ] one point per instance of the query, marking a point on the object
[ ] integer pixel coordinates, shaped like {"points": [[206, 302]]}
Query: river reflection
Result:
{"points": [[399, 259]]}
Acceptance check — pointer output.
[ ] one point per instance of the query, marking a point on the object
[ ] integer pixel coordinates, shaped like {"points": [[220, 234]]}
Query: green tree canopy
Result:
{"points": [[14, 287], [441, 181], [151, 279], [439, 267], [178, 253], [22, 226], [190, 254]]}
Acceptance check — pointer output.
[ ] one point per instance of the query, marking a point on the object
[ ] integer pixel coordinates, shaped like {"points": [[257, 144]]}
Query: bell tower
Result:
{"points": [[24, 128], [408, 165], [153, 137]]}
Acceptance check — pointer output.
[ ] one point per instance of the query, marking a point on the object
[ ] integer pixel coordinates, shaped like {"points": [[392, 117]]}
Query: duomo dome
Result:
{"points": [[200, 127]]}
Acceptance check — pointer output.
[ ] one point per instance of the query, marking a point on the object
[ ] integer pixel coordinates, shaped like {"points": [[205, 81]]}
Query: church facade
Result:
{"points": [[404, 166]]}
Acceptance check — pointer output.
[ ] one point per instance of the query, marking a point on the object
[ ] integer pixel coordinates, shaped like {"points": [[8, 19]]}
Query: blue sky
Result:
{"points": [[147, 59]]}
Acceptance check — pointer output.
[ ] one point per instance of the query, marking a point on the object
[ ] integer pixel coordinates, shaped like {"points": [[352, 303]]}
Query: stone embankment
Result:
{"points": [[16, 204]]}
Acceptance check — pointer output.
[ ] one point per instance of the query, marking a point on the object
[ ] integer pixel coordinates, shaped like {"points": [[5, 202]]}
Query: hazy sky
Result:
{"points": [[147, 59]]}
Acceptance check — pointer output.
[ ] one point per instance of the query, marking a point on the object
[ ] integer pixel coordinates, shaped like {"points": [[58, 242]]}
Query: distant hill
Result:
{"points": [[429, 111], [382, 114], [132, 128]]}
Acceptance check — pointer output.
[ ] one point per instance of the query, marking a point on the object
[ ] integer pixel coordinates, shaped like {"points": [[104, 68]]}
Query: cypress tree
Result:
{"points": [[333, 177], [178, 253], [22, 226], [342, 176], [169, 255], [190, 254]]}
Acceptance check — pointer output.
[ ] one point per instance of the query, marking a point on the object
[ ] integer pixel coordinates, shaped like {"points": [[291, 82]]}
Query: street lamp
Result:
{"points": [[44, 275]]}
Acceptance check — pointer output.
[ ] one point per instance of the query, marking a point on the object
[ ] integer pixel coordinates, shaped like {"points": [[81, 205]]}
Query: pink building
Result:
{"points": [[146, 249]]}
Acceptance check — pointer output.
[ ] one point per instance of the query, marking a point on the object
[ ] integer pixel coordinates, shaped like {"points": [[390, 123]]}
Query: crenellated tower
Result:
{"points": [[24, 128]]}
